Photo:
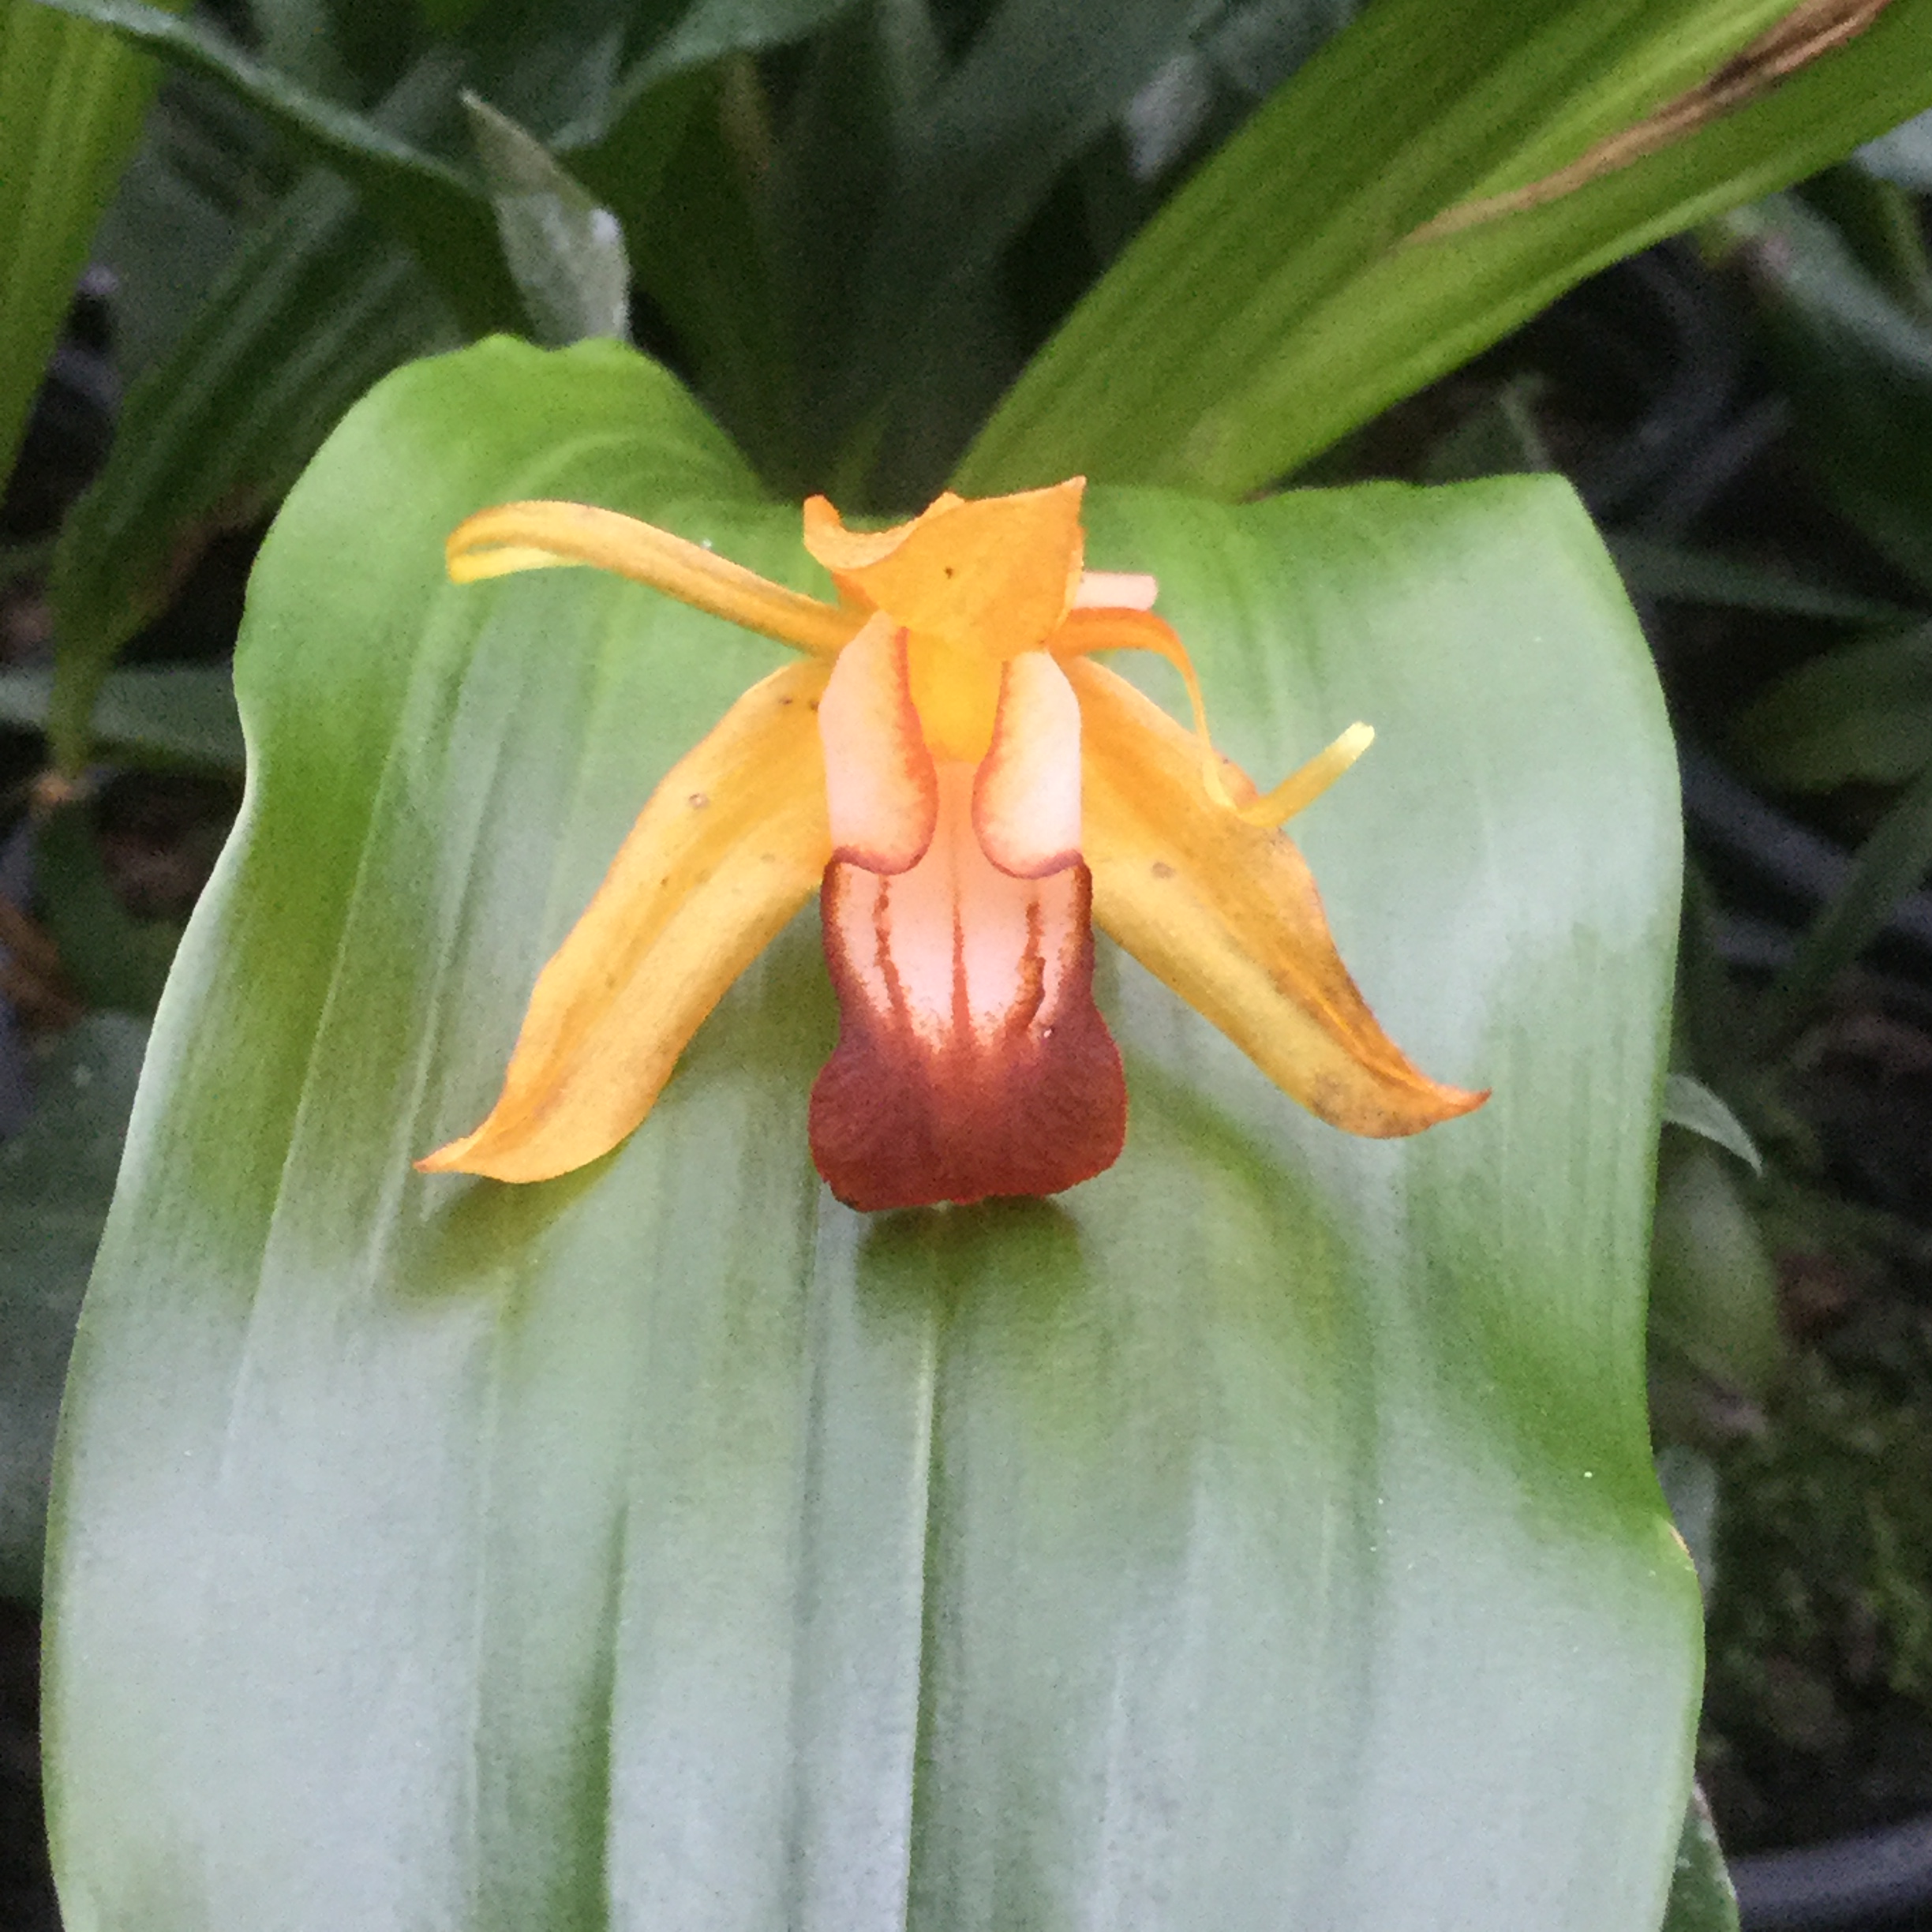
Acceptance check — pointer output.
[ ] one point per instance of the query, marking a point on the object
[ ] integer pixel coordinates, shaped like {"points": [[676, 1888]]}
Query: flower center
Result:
{"points": [[956, 693]]}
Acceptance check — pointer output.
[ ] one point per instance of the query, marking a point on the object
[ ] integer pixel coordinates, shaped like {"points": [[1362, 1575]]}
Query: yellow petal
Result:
{"points": [[536, 536], [994, 575], [1026, 807], [842, 551], [881, 794], [1226, 913], [730, 846]]}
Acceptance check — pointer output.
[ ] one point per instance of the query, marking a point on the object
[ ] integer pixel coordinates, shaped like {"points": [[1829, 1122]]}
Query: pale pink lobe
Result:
{"points": [[1116, 591], [881, 791], [971, 1060], [1027, 792]]}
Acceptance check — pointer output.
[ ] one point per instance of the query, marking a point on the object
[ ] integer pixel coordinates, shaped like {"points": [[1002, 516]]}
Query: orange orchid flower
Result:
{"points": [[969, 792]]}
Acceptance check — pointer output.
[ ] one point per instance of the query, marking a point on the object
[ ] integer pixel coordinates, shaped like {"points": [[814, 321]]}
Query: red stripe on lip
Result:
{"points": [[971, 1061]]}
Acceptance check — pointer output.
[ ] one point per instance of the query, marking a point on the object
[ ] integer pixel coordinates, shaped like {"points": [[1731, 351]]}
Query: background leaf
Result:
{"points": [[311, 310], [1894, 859], [1702, 1899], [1855, 359], [205, 173], [1689, 1103], [1864, 712], [114, 958], [972, 159], [1675, 572], [1265, 1530], [566, 251], [443, 216], [156, 714], [72, 98], [1282, 298], [56, 1175]]}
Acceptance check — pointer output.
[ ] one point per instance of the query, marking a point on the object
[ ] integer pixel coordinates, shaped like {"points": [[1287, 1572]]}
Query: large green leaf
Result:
{"points": [[71, 102], [1263, 1534], [1286, 295]]}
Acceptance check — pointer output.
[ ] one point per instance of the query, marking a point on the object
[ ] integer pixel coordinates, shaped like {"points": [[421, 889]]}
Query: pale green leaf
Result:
{"points": [[1264, 1533]]}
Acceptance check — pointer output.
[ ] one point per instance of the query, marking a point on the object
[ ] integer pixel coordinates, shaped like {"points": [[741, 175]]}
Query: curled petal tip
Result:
{"points": [[462, 1156], [1300, 789], [1400, 1110]]}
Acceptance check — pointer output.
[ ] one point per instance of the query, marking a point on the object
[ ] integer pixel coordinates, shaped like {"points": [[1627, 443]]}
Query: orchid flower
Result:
{"points": [[969, 793]]}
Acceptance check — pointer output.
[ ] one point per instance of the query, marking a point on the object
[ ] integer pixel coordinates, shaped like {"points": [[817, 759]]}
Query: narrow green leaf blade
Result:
{"points": [[1856, 362], [565, 250], [443, 217], [708, 30], [113, 959], [972, 161], [1703, 1898], [56, 1176], [157, 714], [1653, 567], [72, 98], [683, 189], [1689, 1104], [1284, 296], [1267, 1529], [1863, 713], [1892, 861], [313, 307]]}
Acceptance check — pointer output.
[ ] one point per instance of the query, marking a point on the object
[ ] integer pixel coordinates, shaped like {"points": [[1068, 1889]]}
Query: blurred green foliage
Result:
{"points": [[891, 242]]}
